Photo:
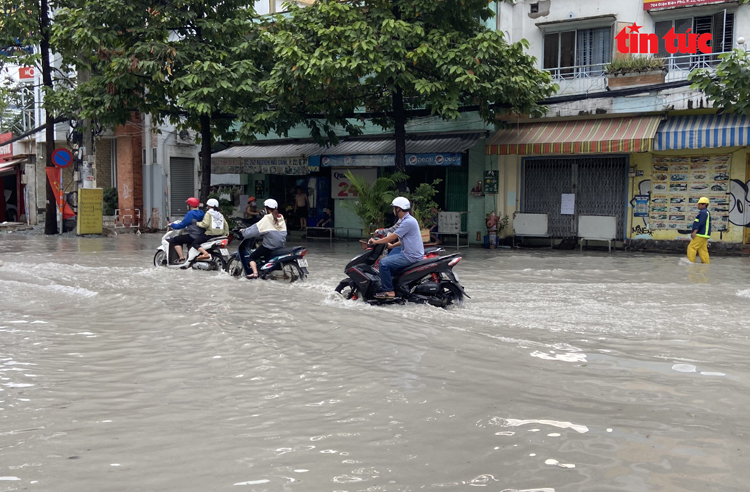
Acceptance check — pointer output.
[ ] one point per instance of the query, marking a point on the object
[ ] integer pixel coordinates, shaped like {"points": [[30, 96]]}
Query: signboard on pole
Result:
{"points": [[26, 73], [90, 211], [62, 157]]}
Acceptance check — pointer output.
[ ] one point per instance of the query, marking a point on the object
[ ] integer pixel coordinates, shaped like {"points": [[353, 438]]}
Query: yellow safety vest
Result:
{"points": [[708, 226]]}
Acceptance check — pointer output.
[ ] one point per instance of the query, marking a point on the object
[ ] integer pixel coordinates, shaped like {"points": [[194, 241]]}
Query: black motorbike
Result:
{"points": [[288, 264], [431, 281]]}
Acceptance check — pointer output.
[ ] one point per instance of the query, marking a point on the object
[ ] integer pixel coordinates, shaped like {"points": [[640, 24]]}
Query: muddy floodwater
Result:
{"points": [[564, 372]]}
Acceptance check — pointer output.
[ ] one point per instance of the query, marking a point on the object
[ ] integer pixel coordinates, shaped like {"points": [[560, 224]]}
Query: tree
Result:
{"points": [[728, 88], [25, 38], [393, 58], [187, 61], [16, 99]]}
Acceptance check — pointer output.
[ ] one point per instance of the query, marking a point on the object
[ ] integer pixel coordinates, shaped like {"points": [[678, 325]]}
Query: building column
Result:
{"points": [[130, 170]]}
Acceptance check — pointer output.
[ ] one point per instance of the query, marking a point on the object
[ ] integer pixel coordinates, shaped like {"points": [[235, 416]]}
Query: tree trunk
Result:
{"points": [[50, 215], [399, 119], [205, 156]]}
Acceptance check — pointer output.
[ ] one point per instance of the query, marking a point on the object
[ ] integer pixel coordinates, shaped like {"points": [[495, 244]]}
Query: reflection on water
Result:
{"points": [[564, 372]]}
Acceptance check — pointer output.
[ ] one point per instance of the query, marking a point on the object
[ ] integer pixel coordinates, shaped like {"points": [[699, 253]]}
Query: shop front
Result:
{"points": [[693, 156], [569, 169], [12, 188]]}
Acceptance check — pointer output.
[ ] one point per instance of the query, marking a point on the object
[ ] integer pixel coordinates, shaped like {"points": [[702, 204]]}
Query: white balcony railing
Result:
{"points": [[592, 78]]}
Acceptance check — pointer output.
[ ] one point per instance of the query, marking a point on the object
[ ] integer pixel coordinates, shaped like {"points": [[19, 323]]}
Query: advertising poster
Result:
{"points": [[678, 182]]}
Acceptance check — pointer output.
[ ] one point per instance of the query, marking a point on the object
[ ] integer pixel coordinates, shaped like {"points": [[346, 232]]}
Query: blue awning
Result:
{"points": [[706, 131]]}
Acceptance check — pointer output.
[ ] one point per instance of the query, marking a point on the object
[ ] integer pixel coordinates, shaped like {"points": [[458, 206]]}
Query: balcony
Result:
{"points": [[592, 78]]}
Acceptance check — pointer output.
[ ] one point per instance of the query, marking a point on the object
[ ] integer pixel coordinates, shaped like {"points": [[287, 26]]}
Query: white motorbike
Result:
{"points": [[217, 247]]}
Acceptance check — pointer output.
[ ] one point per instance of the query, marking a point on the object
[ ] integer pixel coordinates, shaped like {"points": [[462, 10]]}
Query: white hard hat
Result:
{"points": [[271, 203], [212, 202], [401, 203]]}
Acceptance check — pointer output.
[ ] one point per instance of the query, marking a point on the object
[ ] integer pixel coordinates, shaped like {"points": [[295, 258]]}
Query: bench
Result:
{"points": [[329, 230]]}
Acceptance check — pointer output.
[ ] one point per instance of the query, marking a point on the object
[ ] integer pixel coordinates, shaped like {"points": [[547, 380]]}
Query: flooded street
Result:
{"points": [[564, 372]]}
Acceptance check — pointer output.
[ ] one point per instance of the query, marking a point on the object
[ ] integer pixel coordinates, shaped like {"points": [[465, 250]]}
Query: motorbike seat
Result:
{"points": [[424, 262], [286, 251]]}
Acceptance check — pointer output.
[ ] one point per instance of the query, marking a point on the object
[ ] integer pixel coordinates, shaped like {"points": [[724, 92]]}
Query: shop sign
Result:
{"points": [[290, 166], [342, 188], [90, 210], [389, 160], [26, 73], [6, 150], [640, 209], [665, 4], [490, 182]]}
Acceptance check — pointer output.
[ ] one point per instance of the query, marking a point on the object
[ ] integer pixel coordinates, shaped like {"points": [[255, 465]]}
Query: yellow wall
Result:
{"points": [[643, 163]]}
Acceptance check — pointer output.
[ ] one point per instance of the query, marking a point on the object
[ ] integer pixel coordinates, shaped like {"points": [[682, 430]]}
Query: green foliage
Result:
{"points": [[10, 106], [634, 64], [335, 58], [728, 88], [373, 200], [110, 201], [226, 208], [422, 201]]}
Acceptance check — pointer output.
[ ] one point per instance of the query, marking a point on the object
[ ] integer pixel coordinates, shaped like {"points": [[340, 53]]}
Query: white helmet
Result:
{"points": [[271, 203], [401, 203], [212, 202]]}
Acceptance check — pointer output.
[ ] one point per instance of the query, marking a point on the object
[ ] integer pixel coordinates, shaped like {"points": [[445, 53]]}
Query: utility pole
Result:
{"points": [[50, 214]]}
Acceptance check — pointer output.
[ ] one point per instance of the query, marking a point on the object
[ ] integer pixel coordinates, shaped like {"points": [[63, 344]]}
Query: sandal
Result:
{"points": [[203, 258], [252, 276], [179, 261]]}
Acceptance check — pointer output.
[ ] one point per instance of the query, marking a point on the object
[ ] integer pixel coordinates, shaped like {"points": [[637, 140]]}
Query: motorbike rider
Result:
{"points": [[213, 224], [272, 228], [188, 222], [406, 235]]}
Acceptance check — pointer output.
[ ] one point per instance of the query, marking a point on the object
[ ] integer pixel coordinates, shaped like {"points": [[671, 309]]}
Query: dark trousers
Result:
{"points": [[246, 256]]}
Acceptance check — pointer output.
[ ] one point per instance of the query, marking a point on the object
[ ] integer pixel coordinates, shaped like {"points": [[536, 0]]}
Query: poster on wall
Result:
{"points": [[641, 206], [678, 182], [342, 188]]}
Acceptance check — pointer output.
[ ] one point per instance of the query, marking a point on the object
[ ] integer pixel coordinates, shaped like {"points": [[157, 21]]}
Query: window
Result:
{"points": [[720, 26], [588, 50], [534, 8]]}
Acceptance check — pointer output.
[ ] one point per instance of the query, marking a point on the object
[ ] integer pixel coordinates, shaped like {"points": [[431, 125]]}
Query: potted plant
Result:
{"points": [[635, 70], [422, 203], [373, 200]]}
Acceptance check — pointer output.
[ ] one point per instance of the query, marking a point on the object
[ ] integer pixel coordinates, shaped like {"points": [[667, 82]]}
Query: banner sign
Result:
{"points": [[90, 211], [54, 176], [290, 166], [664, 4], [640, 209], [342, 187], [389, 160]]}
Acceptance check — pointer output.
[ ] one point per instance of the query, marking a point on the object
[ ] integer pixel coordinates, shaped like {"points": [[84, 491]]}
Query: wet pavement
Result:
{"points": [[564, 372]]}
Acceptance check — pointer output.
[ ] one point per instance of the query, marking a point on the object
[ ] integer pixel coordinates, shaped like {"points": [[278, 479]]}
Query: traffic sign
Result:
{"points": [[62, 157]]}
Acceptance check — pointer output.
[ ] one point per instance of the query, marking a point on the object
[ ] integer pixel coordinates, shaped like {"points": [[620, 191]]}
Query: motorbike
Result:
{"points": [[429, 281], [288, 264], [216, 247]]}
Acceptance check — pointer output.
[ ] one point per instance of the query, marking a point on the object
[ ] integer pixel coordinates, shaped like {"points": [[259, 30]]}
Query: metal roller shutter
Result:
{"points": [[181, 183]]}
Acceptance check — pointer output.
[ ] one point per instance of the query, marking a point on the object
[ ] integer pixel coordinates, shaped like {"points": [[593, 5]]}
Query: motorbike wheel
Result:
{"points": [[291, 272], [217, 262], [160, 259], [348, 290], [234, 267], [452, 295]]}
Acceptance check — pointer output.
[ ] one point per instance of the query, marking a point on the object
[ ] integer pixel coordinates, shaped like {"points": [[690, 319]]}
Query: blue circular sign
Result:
{"points": [[62, 157]]}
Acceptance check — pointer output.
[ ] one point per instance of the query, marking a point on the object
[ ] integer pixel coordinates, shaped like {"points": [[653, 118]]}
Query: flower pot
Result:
{"points": [[425, 235], [636, 78]]}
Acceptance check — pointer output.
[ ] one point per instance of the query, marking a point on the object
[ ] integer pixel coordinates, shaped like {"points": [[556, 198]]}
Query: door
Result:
{"points": [[181, 184], [598, 183]]}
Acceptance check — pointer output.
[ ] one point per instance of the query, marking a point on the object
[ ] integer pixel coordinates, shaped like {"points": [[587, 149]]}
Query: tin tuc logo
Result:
{"points": [[643, 43]]}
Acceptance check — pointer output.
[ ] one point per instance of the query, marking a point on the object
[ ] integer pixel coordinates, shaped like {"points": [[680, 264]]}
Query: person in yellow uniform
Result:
{"points": [[701, 233]]}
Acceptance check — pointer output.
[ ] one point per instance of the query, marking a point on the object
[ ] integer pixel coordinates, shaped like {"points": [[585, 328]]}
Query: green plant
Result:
{"points": [[226, 208], [422, 203], [728, 87], [110, 200], [373, 200], [621, 66]]}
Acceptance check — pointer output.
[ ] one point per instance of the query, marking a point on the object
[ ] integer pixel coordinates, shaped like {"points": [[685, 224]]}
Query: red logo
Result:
{"points": [[26, 73], [637, 42]]}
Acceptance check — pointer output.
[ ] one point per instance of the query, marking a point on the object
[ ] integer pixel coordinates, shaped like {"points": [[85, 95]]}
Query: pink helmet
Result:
{"points": [[193, 202]]}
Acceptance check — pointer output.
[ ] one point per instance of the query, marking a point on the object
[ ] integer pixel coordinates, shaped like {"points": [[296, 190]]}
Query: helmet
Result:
{"points": [[193, 202], [271, 203], [213, 202], [401, 203], [703, 199], [251, 199]]}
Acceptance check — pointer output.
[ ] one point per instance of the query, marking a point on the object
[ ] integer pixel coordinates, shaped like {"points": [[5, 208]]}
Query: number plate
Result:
{"points": [[224, 251], [302, 262]]}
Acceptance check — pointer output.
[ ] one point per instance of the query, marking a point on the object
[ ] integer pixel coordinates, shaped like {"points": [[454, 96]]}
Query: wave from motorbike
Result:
{"points": [[217, 249], [430, 281], [287, 264]]}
